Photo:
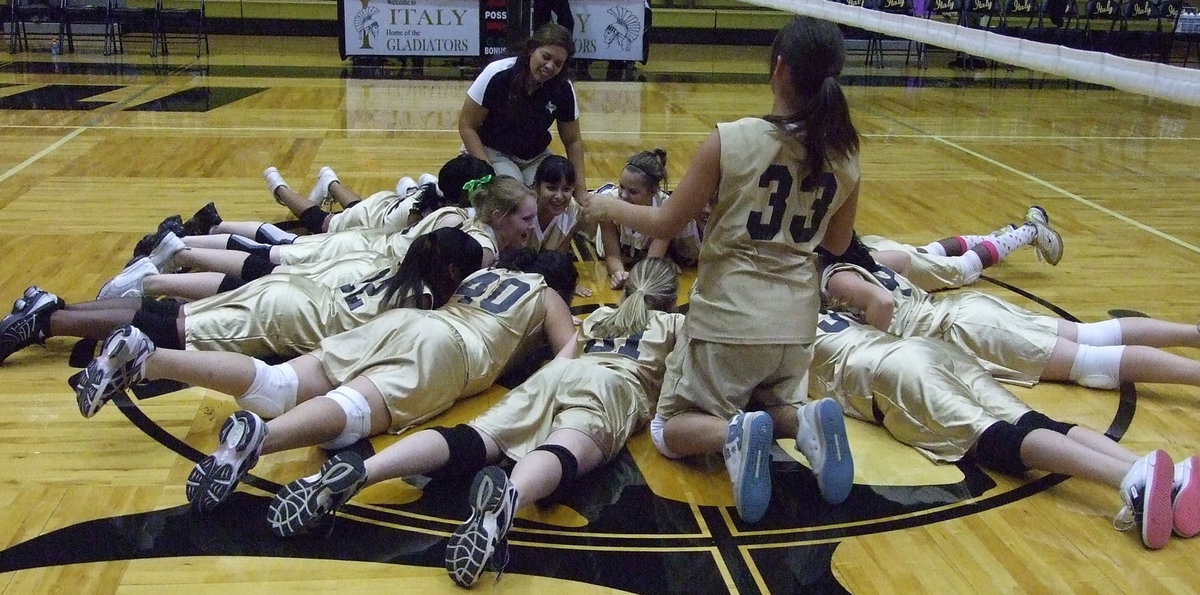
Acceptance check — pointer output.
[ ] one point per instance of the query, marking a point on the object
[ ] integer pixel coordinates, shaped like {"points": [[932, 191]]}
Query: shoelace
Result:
{"points": [[500, 559], [1124, 520]]}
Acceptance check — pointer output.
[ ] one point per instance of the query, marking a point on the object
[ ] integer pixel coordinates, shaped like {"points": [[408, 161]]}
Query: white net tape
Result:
{"points": [[1155, 79]]}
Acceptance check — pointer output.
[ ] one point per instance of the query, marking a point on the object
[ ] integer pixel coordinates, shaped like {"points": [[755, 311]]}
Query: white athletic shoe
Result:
{"points": [[320, 192], [214, 478], [821, 438], [483, 539], [1048, 243], [747, 455], [405, 185], [121, 364], [274, 181], [428, 178], [163, 255], [128, 283], [1146, 492]]}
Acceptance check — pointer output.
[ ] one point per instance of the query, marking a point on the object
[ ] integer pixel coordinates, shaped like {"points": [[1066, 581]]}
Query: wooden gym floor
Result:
{"points": [[96, 150]]}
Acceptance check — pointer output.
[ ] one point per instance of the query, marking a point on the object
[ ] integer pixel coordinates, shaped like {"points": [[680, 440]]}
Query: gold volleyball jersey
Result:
{"points": [[930, 272], [927, 393], [398, 243], [348, 268], [1012, 343], [558, 232], [607, 393], [495, 311], [330, 246], [756, 282], [386, 211], [642, 355], [483, 233], [422, 361], [283, 315]]}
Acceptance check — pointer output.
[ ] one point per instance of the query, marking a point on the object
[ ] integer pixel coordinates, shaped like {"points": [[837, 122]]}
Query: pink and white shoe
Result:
{"points": [[1186, 498], [1146, 491]]}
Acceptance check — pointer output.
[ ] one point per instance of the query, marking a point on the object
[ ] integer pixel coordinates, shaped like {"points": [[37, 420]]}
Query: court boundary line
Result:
{"points": [[1071, 195]]}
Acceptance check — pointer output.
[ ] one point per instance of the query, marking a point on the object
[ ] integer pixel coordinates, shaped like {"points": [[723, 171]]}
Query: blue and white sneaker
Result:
{"points": [[215, 478], [482, 541], [748, 458], [121, 363], [821, 438]]}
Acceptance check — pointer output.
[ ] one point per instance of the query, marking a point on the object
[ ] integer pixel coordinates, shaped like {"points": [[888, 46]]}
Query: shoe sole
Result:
{"points": [[1157, 516], [836, 476], [1045, 230], [1186, 504], [470, 548], [214, 478], [21, 324], [296, 508], [753, 490]]}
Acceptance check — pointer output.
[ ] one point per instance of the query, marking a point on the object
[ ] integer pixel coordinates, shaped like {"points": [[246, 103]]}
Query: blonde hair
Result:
{"points": [[653, 284], [502, 195]]}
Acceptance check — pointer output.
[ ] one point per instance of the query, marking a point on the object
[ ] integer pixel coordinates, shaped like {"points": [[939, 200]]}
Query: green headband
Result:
{"points": [[473, 185]]}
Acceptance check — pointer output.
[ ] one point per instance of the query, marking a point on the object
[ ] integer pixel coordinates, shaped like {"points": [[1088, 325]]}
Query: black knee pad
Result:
{"points": [[313, 219], [999, 448], [570, 466], [1035, 420], [249, 246], [230, 283], [467, 452], [162, 330], [256, 267], [162, 306]]}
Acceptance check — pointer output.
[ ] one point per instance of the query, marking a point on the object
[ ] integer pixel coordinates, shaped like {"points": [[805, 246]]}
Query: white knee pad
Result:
{"points": [[656, 435], [273, 391], [1107, 332], [358, 417], [1098, 367], [970, 266]]}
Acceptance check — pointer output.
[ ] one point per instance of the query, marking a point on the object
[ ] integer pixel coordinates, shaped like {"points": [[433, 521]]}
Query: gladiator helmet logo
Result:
{"points": [[366, 24], [624, 30]]}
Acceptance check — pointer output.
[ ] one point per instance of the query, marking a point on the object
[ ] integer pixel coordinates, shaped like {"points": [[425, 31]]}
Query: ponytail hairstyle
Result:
{"points": [[496, 197], [553, 170], [549, 34], [555, 267], [813, 52], [428, 200], [651, 165], [653, 285], [457, 172], [439, 260]]}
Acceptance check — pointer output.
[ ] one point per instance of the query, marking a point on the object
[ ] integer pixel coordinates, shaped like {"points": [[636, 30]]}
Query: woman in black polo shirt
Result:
{"points": [[506, 117]]}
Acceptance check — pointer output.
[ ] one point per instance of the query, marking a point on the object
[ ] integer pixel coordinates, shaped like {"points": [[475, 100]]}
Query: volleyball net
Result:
{"points": [[1155, 79]]}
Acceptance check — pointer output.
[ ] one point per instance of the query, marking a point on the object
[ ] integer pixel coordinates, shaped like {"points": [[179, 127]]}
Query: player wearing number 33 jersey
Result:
{"points": [[758, 284]]}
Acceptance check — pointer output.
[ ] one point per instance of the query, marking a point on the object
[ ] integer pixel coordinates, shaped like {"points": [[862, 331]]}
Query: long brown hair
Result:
{"points": [[814, 52]]}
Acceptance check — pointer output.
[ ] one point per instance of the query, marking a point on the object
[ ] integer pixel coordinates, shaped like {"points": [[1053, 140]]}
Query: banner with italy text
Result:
{"points": [[410, 27]]}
